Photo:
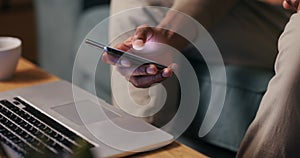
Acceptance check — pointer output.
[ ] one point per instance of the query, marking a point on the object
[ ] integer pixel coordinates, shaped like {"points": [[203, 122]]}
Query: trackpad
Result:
{"points": [[84, 111]]}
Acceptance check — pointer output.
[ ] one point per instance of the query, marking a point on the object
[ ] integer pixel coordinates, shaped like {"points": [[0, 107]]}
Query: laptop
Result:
{"points": [[59, 119]]}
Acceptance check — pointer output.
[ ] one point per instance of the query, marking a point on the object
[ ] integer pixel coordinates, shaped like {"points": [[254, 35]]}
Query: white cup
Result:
{"points": [[10, 52]]}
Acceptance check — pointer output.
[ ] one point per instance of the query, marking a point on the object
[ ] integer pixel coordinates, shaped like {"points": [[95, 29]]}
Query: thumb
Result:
{"points": [[291, 4], [142, 34]]}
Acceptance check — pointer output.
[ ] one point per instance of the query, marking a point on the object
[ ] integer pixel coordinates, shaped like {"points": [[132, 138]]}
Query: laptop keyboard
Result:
{"points": [[27, 130]]}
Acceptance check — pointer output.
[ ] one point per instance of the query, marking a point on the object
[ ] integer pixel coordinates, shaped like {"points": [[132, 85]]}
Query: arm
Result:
{"points": [[279, 108], [207, 12]]}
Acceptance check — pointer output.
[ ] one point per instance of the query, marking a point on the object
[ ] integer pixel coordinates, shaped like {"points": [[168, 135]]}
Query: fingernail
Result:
{"points": [[151, 70], [125, 63], [138, 44], [166, 73]]}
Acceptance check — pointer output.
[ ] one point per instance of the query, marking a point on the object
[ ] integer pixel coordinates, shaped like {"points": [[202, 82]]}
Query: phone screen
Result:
{"points": [[132, 57], [119, 53]]}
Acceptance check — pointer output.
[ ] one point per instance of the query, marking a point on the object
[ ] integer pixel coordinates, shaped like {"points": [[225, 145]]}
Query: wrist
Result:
{"points": [[179, 27]]}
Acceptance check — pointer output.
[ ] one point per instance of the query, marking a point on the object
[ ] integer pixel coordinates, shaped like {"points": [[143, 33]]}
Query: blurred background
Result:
{"points": [[18, 19], [52, 30], [29, 19]]}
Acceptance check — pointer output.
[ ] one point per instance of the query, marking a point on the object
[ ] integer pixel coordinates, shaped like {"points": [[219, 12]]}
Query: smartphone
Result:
{"points": [[119, 53]]}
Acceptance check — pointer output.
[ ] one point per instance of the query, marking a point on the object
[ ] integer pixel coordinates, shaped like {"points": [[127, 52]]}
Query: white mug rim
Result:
{"points": [[15, 44]]}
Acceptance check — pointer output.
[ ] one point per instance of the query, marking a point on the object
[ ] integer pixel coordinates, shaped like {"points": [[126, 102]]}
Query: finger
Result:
{"points": [[146, 81], [144, 70], [167, 72], [173, 66], [286, 5], [291, 4], [115, 60], [142, 34], [126, 45], [109, 59]]}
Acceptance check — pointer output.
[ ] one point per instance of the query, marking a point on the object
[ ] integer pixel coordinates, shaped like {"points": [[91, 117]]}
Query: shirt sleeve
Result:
{"points": [[275, 129]]}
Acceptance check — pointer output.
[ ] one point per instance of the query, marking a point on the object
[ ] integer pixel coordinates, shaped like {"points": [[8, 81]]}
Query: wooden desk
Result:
{"points": [[28, 74]]}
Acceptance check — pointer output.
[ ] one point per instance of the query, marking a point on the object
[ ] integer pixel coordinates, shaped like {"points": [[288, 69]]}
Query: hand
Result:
{"points": [[145, 75], [291, 4]]}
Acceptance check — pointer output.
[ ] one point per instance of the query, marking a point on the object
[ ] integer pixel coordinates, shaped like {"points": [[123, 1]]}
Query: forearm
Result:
{"points": [[207, 12]]}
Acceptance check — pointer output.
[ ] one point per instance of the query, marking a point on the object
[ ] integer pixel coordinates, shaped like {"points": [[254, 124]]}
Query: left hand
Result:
{"points": [[145, 75]]}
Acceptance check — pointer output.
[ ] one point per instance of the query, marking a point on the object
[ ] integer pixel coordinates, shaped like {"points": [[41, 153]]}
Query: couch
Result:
{"points": [[62, 25]]}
